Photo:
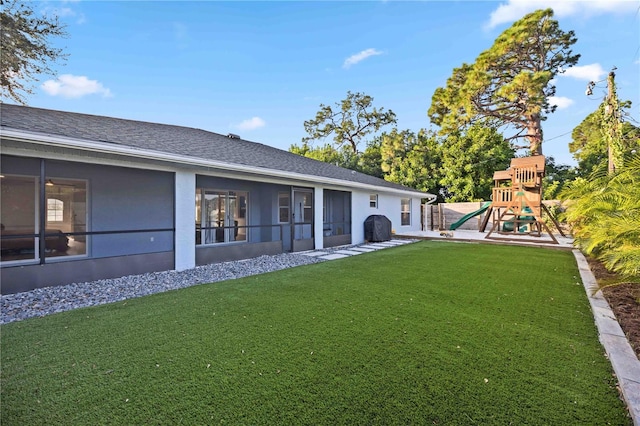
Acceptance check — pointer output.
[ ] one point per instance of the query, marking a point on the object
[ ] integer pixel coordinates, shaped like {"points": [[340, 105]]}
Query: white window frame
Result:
{"points": [[405, 211], [373, 201], [55, 210], [281, 207]]}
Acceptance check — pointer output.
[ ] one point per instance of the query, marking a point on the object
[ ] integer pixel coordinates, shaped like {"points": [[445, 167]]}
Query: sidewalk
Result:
{"points": [[341, 253]]}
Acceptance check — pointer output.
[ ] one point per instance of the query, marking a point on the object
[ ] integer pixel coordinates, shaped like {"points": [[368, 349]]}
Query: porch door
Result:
{"points": [[302, 214]]}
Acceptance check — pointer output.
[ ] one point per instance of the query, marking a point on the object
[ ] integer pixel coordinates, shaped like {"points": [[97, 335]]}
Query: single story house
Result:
{"points": [[87, 197]]}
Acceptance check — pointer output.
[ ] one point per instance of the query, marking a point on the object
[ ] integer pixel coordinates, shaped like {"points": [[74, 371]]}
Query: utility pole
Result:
{"points": [[611, 112], [610, 121]]}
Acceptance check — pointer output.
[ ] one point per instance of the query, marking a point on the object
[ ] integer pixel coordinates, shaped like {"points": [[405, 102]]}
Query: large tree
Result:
{"points": [[326, 153], [468, 161], [349, 121], [411, 159], [27, 52], [557, 176], [508, 85], [367, 162]]}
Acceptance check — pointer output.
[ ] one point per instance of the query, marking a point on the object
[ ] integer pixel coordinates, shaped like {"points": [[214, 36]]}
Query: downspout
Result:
{"points": [[429, 202]]}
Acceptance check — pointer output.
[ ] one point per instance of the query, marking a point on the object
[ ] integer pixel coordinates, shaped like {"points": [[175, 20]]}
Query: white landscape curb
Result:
{"points": [[622, 357]]}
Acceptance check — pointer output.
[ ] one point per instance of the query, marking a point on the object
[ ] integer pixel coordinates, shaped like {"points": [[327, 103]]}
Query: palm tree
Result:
{"points": [[604, 213]]}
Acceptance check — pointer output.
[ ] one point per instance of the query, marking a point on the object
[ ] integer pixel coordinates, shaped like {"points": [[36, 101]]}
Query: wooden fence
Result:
{"points": [[438, 217]]}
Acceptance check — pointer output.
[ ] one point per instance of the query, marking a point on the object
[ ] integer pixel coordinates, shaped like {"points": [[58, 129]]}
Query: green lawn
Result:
{"points": [[427, 333]]}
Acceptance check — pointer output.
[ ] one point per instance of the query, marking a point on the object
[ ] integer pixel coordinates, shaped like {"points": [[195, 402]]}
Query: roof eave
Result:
{"points": [[131, 152]]}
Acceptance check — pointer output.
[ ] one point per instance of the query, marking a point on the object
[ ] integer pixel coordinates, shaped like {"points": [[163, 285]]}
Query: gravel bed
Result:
{"points": [[51, 300]]}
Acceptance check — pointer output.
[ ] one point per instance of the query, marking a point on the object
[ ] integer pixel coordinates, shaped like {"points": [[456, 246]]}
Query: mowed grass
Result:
{"points": [[428, 333]]}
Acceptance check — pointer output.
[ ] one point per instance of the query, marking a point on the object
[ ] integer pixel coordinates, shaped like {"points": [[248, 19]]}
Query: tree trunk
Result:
{"points": [[534, 134]]}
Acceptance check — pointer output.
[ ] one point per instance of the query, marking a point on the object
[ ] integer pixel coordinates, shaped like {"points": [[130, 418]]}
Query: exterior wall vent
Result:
{"points": [[233, 136]]}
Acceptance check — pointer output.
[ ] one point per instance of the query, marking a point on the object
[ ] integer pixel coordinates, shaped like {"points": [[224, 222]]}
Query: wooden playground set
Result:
{"points": [[516, 207]]}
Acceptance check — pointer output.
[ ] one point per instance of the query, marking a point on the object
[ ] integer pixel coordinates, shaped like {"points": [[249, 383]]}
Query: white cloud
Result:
{"points": [[65, 12], [560, 101], [516, 9], [251, 124], [74, 86], [361, 56], [593, 72]]}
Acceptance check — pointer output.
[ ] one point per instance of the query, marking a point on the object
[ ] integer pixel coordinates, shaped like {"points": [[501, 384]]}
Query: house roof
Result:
{"points": [[178, 140]]}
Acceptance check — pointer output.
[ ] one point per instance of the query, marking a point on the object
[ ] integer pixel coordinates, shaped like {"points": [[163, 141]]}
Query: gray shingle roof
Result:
{"points": [[178, 140]]}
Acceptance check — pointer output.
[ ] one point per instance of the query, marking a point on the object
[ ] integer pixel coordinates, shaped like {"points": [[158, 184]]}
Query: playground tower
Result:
{"points": [[517, 206]]}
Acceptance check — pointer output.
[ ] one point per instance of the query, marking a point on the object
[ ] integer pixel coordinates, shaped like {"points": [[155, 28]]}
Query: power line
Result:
{"points": [[559, 136]]}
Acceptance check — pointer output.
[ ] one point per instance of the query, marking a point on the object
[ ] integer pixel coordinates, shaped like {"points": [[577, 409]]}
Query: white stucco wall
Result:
{"points": [[318, 203], [185, 242], [389, 206]]}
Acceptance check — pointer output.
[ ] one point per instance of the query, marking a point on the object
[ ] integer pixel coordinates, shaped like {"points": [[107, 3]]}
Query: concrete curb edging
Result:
{"points": [[622, 357]]}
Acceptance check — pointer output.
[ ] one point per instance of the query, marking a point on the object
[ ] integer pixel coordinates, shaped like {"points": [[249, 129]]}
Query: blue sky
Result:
{"points": [[260, 69]]}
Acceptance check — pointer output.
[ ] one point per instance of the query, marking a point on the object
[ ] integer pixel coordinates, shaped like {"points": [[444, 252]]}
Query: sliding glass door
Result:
{"points": [[223, 216], [63, 207]]}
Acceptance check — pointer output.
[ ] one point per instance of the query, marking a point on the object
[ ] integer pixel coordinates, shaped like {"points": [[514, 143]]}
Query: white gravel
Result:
{"points": [[50, 300]]}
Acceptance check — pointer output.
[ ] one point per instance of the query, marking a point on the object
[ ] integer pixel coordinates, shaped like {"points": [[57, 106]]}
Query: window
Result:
{"points": [[55, 210], [222, 216], [405, 211], [308, 208], [283, 207], [373, 201]]}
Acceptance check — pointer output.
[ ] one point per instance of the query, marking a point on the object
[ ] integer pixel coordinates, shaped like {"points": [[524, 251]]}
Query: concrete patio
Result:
{"points": [[479, 237]]}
